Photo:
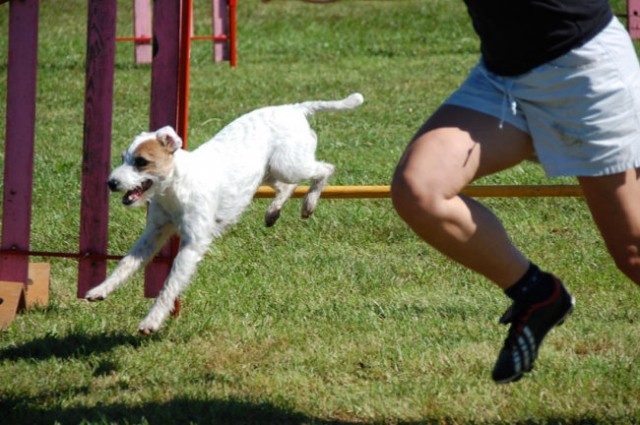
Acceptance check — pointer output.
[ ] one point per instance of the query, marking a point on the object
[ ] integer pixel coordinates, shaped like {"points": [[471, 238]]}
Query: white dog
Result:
{"points": [[201, 193]]}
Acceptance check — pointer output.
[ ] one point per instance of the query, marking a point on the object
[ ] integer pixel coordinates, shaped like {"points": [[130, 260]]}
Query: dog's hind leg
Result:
{"points": [[283, 192], [319, 180]]}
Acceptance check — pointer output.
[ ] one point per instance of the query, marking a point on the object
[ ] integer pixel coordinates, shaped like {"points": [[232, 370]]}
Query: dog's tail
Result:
{"points": [[311, 107]]}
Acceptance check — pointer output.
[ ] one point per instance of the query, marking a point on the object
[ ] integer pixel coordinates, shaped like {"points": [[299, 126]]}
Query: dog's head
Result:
{"points": [[147, 165]]}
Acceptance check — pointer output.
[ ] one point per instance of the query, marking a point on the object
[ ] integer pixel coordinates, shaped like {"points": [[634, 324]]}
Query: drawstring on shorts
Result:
{"points": [[507, 101]]}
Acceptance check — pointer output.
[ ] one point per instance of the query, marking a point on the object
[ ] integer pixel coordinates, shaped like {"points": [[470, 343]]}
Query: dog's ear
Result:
{"points": [[168, 137]]}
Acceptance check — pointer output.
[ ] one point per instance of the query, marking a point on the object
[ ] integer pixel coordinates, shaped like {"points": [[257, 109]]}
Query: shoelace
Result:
{"points": [[514, 315]]}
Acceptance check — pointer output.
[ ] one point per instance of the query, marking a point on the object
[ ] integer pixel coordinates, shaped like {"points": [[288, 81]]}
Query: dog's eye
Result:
{"points": [[140, 162]]}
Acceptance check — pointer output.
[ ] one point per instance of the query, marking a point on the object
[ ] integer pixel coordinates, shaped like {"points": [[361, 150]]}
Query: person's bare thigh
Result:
{"points": [[458, 145]]}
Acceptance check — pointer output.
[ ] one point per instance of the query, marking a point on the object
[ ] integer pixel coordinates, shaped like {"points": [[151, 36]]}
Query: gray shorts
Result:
{"points": [[582, 110]]}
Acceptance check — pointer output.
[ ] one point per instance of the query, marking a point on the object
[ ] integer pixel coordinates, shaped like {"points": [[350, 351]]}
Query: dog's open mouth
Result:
{"points": [[133, 195]]}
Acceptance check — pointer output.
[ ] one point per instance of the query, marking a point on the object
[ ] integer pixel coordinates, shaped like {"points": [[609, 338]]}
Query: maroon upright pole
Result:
{"points": [[20, 138], [98, 109], [164, 109]]}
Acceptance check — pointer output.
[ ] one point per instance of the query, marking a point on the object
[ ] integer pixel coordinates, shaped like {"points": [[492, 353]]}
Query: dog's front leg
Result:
{"points": [[155, 236], [184, 265]]}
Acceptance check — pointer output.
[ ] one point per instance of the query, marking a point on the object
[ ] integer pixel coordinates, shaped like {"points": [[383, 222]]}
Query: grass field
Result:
{"points": [[344, 318]]}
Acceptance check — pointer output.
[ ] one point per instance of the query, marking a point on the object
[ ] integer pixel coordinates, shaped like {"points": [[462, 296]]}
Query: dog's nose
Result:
{"points": [[113, 184]]}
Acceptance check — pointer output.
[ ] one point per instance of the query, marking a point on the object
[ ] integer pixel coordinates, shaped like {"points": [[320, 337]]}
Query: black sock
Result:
{"points": [[533, 287]]}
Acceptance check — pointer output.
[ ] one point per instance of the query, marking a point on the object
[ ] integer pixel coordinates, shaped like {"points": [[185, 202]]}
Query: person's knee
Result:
{"points": [[629, 264], [410, 194], [400, 189], [402, 192]]}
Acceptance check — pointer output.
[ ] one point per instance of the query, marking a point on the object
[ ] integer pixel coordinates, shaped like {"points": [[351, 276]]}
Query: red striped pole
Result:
{"points": [[233, 55], [186, 23]]}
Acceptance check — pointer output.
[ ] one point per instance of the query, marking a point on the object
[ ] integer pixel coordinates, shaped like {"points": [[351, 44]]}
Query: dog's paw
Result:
{"points": [[308, 207], [271, 217], [95, 294], [147, 327], [146, 331], [310, 202]]}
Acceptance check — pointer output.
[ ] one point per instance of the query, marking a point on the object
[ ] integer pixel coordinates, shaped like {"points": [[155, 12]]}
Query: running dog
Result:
{"points": [[199, 194]]}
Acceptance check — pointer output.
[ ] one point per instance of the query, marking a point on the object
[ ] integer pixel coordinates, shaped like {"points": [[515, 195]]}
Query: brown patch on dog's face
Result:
{"points": [[152, 157]]}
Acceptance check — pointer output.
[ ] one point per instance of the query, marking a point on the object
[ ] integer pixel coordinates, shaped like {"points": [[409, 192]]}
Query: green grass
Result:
{"points": [[344, 318]]}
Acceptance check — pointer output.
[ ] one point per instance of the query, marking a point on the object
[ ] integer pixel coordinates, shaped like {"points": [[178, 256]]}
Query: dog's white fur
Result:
{"points": [[201, 193]]}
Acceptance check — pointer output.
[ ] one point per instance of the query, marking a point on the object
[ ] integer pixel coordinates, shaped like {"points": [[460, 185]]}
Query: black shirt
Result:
{"points": [[518, 35]]}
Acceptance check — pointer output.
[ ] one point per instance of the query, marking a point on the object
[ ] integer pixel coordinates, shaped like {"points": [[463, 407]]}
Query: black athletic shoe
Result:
{"points": [[530, 323]]}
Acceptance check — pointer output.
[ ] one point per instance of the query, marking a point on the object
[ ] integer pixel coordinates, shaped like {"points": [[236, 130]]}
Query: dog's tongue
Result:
{"points": [[135, 194], [131, 196]]}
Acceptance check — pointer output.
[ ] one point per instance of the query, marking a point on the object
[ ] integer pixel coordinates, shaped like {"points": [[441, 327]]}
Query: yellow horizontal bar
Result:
{"points": [[356, 192]]}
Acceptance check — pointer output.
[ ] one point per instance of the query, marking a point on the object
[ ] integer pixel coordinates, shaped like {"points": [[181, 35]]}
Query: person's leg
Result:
{"points": [[614, 202], [453, 148]]}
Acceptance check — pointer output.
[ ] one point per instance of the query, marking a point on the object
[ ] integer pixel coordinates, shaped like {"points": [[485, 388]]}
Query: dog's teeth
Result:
{"points": [[130, 197]]}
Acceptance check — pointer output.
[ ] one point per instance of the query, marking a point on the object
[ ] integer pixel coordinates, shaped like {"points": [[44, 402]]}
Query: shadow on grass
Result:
{"points": [[232, 411], [179, 411], [75, 345], [39, 409]]}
